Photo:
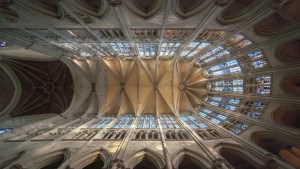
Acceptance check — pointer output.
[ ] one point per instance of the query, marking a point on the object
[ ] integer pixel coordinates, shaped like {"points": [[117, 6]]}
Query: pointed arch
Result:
{"points": [[197, 158], [240, 153], [9, 159], [49, 160], [87, 158], [145, 154]]}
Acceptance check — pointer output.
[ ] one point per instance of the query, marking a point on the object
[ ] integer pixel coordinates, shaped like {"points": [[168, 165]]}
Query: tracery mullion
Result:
{"points": [[245, 25]]}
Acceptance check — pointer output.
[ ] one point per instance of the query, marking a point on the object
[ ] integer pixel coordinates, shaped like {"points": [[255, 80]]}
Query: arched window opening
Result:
{"points": [[285, 151], [168, 121], [227, 85], [188, 162], [229, 123], [192, 121], [287, 116], [236, 159], [103, 122], [226, 103], [253, 109], [259, 85], [124, 121], [145, 163], [96, 163], [147, 121]]}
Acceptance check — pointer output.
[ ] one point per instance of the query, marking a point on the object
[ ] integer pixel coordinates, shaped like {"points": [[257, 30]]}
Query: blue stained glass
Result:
{"points": [[5, 130], [3, 44]]}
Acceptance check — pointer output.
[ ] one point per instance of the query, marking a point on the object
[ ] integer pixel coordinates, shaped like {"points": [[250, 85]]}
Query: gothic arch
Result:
{"points": [[9, 159], [238, 153], [291, 84], [138, 156], [289, 52], [288, 116], [14, 86], [194, 156], [43, 161], [285, 148], [185, 9], [146, 9], [237, 11], [82, 161], [286, 15]]}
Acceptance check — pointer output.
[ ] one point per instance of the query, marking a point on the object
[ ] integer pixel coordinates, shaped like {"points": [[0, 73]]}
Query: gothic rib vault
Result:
{"points": [[149, 84]]}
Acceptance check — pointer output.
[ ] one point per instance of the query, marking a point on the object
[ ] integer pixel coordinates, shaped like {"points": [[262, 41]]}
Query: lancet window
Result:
{"points": [[193, 122], [233, 125], [147, 121], [238, 41], [228, 67], [122, 49], [259, 85], [226, 103], [103, 122], [214, 54], [194, 48], [147, 49], [253, 109], [228, 85], [169, 49], [168, 121], [258, 60], [124, 122]]}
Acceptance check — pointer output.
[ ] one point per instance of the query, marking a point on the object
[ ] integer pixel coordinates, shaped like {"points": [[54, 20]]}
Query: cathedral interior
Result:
{"points": [[149, 84]]}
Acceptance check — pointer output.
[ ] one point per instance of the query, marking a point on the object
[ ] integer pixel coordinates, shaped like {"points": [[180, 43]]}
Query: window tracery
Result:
{"points": [[147, 121], [194, 48], [233, 125], [253, 109], [224, 102], [169, 49], [227, 85], [124, 121], [147, 49], [168, 121], [192, 121], [103, 122], [122, 49]]}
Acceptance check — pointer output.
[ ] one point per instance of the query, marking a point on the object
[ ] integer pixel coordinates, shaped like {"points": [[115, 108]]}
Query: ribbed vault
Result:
{"points": [[152, 86]]}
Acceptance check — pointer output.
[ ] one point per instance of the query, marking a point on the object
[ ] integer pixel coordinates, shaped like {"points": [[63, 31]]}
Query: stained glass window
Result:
{"points": [[214, 54], [254, 109], [192, 122], [147, 49], [234, 126], [258, 60], [232, 85], [194, 48], [5, 130], [226, 103], [169, 49], [124, 122], [3, 44], [168, 121], [228, 67], [147, 121], [263, 85], [103, 122], [122, 49]]}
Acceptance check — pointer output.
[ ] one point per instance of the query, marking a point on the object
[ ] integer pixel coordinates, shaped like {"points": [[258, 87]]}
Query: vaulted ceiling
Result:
{"points": [[134, 56]]}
